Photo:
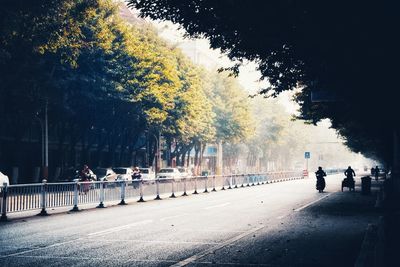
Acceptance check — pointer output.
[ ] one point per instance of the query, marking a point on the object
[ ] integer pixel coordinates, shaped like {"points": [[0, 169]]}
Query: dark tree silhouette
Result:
{"points": [[349, 49]]}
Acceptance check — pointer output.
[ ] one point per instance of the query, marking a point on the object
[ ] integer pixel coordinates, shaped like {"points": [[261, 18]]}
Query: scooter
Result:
{"points": [[320, 184]]}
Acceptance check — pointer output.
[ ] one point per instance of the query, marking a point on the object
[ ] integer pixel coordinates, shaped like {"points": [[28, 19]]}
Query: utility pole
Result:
{"points": [[46, 142]]}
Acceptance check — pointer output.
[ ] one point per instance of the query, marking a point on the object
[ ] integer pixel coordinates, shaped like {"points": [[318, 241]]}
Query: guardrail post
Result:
{"points": [[4, 203], [141, 191], [248, 179], [173, 189], [252, 179], [236, 181], [213, 190], [205, 184], [230, 182], [101, 204], [223, 182], [43, 212], [184, 187], [242, 180], [76, 193], [258, 179], [122, 193], [157, 190], [195, 186]]}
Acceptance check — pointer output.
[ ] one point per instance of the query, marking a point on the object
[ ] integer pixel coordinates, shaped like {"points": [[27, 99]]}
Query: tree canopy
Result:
{"points": [[348, 49], [105, 84]]}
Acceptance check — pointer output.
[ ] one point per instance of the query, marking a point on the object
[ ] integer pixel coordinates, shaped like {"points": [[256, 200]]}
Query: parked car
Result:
{"points": [[123, 173], [169, 173], [105, 174], [147, 174], [3, 179], [185, 173]]}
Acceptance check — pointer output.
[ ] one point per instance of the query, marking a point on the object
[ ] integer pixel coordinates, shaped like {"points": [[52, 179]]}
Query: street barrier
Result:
{"points": [[43, 196]]}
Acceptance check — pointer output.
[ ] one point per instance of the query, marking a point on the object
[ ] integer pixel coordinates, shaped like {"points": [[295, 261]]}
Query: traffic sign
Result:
{"points": [[307, 155]]}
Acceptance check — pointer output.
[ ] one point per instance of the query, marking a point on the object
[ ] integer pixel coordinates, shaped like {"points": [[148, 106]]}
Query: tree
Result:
{"points": [[347, 49]]}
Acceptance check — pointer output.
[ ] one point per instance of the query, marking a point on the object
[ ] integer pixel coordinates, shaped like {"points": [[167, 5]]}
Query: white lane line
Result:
{"points": [[212, 249], [94, 258], [41, 248], [119, 228], [311, 203], [217, 206], [281, 217], [172, 217], [154, 241]]}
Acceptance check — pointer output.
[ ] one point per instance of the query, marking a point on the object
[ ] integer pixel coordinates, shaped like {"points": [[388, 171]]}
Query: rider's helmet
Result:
{"points": [[319, 168]]}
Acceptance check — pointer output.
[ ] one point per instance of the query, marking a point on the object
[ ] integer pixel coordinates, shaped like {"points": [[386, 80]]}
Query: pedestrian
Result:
{"points": [[372, 171], [86, 176], [136, 177], [376, 173]]}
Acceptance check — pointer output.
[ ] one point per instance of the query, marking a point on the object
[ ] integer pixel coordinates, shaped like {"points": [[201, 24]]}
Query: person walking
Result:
{"points": [[86, 176], [136, 176], [377, 173]]}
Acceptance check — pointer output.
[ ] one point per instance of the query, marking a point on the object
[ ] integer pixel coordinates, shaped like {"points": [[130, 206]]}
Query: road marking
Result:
{"points": [[281, 217], [311, 203], [36, 249], [119, 228], [156, 241], [217, 206], [172, 217], [211, 250]]}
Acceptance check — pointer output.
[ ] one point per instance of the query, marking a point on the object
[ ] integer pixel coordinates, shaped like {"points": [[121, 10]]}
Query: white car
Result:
{"points": [[147, 174], [105, 174], [123, 173], [168, 173], [185, 173], [3, 179]]}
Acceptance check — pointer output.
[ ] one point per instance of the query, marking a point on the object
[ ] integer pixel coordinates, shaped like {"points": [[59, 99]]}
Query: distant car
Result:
{"points": [[185, 173], [123, 174], [147, 174], [169, 173], [3, 180], [105, 174]]}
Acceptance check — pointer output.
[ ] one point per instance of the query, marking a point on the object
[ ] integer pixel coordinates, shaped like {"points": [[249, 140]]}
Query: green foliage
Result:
{"points": [[106, 82], [233, 120]]}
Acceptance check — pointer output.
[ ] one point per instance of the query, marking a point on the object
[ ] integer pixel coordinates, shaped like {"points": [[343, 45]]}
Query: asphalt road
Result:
{"points": [[279, 224]]}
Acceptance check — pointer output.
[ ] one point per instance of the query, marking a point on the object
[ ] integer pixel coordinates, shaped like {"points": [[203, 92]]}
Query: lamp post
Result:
{"points": [[45, 141]]}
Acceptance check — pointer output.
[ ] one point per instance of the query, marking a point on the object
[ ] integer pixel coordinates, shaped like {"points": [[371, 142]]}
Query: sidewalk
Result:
{"points": [[388, 237], [330, 232]]}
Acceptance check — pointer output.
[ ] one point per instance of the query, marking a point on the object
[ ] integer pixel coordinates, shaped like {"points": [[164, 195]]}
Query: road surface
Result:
{"points": [[279, 224]]}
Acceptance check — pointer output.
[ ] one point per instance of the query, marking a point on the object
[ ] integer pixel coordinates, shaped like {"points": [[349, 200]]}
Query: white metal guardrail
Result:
{"points": [[42, 196]]}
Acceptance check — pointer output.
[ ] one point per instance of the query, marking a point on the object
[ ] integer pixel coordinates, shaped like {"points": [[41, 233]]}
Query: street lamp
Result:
{"points": [[45, 142]]}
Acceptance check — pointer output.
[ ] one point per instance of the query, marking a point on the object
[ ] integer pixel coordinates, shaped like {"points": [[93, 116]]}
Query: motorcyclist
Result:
{"points": [[320, 174], [349, 173]]}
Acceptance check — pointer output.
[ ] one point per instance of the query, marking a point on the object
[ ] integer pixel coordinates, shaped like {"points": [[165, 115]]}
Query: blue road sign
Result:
{"points": [[307, 155]]}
